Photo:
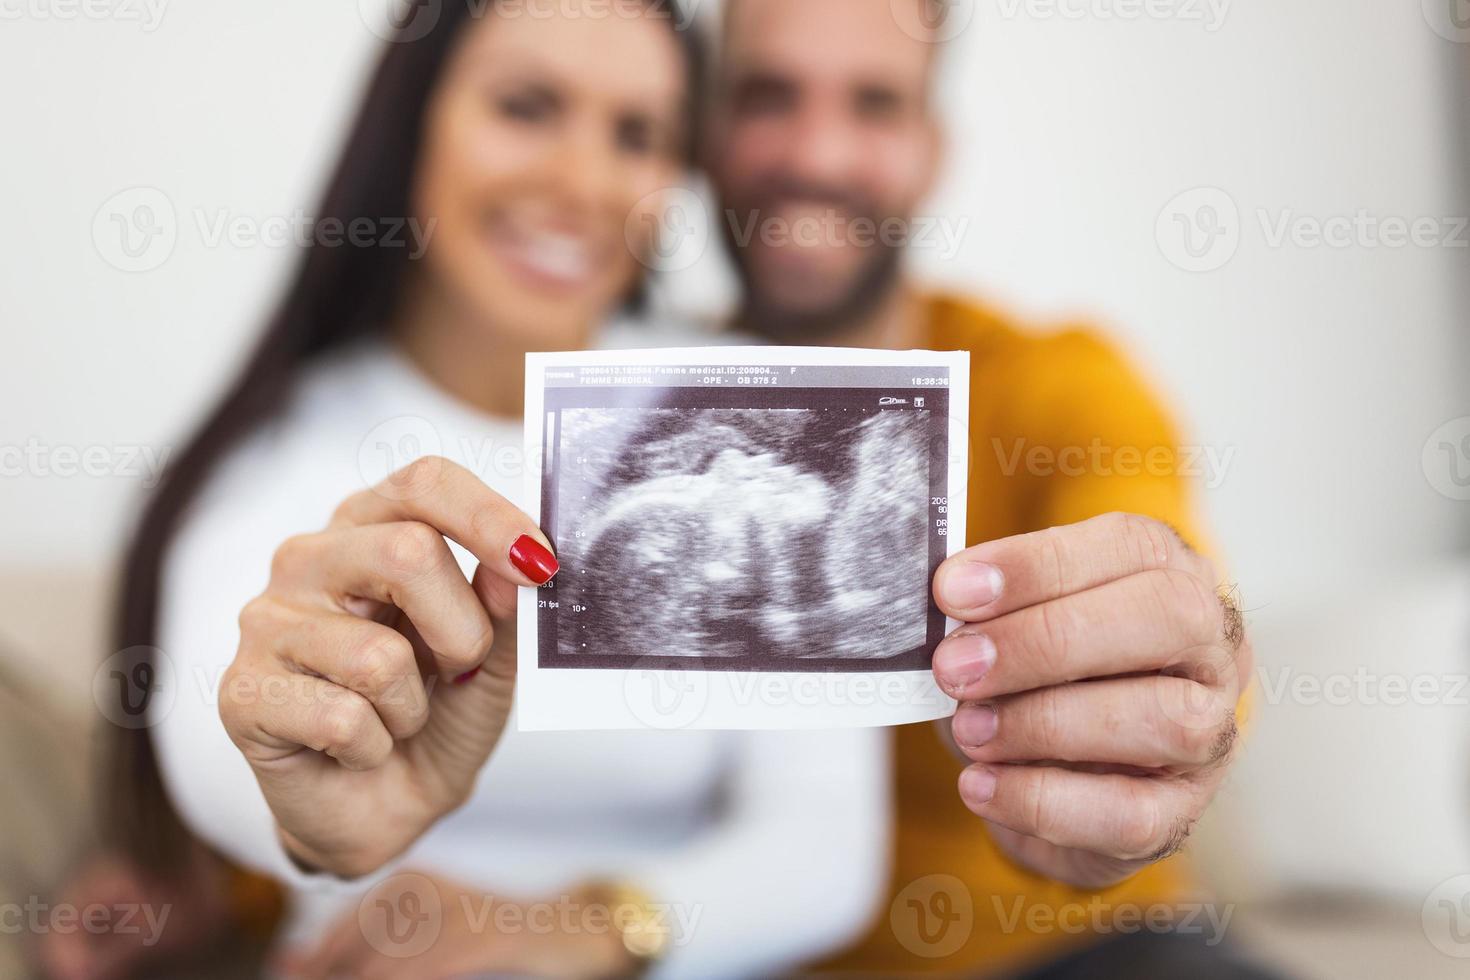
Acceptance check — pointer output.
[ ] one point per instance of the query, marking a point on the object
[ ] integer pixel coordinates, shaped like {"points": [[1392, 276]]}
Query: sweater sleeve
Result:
{"points": [[218, 562], [796, 868]]}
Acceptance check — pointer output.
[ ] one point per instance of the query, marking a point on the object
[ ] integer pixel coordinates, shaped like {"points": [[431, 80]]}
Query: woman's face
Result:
{"points": [[546, 142]]}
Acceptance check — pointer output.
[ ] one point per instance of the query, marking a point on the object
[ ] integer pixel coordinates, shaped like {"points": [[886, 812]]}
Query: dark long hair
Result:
{"points": [[338, 294]]}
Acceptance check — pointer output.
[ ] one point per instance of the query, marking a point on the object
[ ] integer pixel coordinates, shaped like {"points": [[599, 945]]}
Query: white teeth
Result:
{"points": [[558, 255]]}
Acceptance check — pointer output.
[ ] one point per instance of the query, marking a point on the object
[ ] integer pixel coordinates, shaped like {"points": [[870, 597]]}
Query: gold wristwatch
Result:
{"points": [[640, 924]]}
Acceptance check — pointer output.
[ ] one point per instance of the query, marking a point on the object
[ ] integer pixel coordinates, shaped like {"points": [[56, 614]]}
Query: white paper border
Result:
{"points": [[659, 699]]}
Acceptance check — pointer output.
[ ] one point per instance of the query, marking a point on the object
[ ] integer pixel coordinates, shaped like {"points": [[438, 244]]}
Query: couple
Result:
{"points": [[537, 145]]}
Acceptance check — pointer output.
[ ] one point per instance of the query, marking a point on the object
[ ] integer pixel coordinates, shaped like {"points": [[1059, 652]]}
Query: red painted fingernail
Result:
{"points": [[532, 560], [466, 677]]}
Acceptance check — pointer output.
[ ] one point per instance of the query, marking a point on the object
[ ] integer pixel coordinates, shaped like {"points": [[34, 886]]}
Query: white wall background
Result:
{"points": [[1325, 370]]}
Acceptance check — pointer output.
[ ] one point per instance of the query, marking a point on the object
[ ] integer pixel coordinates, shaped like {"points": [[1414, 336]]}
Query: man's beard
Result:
{"points": [[870, 286]]}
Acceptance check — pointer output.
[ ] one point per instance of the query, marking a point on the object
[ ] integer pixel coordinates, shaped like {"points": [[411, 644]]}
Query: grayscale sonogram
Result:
{"points": [[795, 532]]}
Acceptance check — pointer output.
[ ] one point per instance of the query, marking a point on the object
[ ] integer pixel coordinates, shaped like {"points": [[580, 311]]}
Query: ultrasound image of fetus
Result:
{"points": [[770, 535]]}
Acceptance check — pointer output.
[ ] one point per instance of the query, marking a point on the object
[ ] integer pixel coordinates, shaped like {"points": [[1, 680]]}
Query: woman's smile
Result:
{"points": [[546, 258]]}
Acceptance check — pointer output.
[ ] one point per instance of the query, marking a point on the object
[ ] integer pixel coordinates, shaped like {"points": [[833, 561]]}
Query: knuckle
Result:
{"points": [[421, 476], [1048, 719], [1193, 744], [256, 617], [1143, 830], [1051, 558], [293, 555], [1034, 809], [380, 662], [477, 645], [413, 549], [344, 724], [344, 513], [1149, 542], [462, 658], [232, 708], [1053, 638], [1191, 604], [487, 520]]}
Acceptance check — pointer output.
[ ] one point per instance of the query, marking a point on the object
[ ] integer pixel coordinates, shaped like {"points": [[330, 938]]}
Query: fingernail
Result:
{"points": [[532, 560], [973, 584], [963, 659], [466, 677], [977, 785], [975, 725]]}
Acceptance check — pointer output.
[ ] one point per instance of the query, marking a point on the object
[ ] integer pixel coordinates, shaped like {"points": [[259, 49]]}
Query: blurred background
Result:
{"points": [[1265, 202]]}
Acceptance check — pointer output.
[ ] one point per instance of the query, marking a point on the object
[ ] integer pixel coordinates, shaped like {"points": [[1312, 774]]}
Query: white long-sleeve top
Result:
{"points": [[769, 847]]}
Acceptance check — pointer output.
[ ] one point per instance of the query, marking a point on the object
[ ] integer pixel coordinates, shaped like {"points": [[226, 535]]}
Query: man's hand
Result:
{"points": [[1098, 671]]}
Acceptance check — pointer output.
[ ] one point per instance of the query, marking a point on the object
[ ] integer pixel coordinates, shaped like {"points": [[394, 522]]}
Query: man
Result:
{"points": [[1100, 664]]}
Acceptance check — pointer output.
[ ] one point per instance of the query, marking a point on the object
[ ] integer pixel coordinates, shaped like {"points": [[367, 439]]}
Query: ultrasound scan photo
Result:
{"points": [[767, 535], [746, 536]]}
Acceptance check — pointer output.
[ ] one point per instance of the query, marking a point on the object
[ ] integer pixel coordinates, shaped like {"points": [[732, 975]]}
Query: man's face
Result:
{"points": [[822, 145]]}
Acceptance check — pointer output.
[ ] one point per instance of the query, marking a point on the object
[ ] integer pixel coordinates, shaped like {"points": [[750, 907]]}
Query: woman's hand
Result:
{"points": [[424, 927], [358, 694]]}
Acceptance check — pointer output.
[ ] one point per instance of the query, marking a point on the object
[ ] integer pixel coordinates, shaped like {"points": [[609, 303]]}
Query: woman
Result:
{"points": [[364, 689]]}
